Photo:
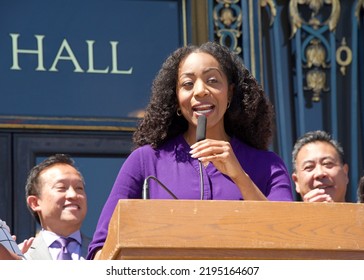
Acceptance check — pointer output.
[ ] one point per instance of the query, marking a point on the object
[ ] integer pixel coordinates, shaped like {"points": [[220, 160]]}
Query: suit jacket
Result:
{"points": [[39, 249]]}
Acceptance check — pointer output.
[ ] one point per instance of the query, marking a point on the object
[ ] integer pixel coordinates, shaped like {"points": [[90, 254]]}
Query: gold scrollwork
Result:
{"points": [[344, 51], [315, 5], [316, 78], [227, 1], [228, 20], [359, 6], [316, 54], [264, 3], [316, 81], [227, 17], [226, 14]]}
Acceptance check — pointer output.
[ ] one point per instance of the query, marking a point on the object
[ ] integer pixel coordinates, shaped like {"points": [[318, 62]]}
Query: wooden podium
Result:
{"points": [[194, 229]]}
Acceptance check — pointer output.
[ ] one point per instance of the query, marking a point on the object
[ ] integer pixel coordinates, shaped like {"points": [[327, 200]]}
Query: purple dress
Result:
{"points": [[173, 166]]}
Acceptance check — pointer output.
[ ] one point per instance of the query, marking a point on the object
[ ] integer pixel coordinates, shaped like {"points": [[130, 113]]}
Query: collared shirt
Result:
{"points": [[7, 240], [73, 247], [172, 165]]}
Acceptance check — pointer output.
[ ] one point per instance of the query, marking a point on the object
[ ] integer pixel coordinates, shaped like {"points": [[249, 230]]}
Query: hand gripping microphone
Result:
{"points": [[201, 135]]}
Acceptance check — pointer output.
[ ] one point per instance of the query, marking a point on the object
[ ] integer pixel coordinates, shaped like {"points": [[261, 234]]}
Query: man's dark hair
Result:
{"points": [[33, 186], [316, 136]]}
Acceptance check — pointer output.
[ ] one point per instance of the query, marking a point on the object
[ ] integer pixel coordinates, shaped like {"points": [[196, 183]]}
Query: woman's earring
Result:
{"points": [[228, 105], [179, 112]]}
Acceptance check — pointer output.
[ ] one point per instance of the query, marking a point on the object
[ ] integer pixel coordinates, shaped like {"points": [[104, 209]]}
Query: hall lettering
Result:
{"points": [[65, 53]]}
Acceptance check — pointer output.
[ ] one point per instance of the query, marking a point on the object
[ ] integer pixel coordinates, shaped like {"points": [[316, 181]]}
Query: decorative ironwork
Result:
{"points": [[271, 4], [297, 20], [228, 18], [359, 6], [344, 56], [316, 81], [316, 55], [315, 78], [316, 47]]}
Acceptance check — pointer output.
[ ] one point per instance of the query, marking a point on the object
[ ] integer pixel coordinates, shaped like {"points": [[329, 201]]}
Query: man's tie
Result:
{"points": [[64, 254]]}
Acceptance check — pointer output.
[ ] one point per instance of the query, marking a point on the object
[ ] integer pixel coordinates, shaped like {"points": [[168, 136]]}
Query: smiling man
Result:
{"points": [[56, 197], [320, 173]]}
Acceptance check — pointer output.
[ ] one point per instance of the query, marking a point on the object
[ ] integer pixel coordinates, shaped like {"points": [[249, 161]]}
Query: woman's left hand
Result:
{"points": [[220, 154]]}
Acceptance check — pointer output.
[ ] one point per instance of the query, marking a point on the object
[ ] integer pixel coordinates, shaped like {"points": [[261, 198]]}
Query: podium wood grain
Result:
{"points": [[194, 229]]}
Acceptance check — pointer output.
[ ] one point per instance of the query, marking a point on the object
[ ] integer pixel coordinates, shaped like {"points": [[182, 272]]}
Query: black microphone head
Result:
{"points": [[201, 128]]}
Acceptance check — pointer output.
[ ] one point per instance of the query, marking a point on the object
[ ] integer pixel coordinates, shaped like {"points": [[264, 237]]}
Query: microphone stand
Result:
{"points": [[201, 180], [201, 135], [146, 187]]}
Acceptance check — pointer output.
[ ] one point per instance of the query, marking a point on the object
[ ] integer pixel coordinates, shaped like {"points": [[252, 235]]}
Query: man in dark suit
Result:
{"points": [[56, 197]]}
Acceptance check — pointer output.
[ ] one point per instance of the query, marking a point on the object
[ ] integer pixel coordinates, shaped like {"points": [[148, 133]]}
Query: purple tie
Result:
{"points": [[64, 254]]}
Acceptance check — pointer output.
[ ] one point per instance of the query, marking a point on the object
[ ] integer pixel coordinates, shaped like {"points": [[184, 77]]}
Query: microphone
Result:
{"points": [[201, 135], [201, 128], [145, 194]]}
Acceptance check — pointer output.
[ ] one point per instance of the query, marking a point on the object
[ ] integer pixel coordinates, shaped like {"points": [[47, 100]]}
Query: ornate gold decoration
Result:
{"points": [[264, 3], [344, 51], [228, 19], [316, 78], [359, 6], [227, 16], [316, 81], [227, 2], [315, 5], [316, 54], [320, 17]]}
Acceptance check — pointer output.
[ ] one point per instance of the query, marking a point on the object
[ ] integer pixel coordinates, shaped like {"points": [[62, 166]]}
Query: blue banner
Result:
{"points": [[83, 59]]}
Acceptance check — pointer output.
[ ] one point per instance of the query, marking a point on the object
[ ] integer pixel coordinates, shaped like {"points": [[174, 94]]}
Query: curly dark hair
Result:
{"points": [[249, 117]]}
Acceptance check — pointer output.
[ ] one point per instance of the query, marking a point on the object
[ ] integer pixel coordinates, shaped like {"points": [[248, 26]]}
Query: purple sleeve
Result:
{"points": [[280, 183], [128, 184], [266, 169]]}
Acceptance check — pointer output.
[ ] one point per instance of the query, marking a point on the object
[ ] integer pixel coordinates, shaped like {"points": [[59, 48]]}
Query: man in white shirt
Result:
{"points": [[55, 195]]}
